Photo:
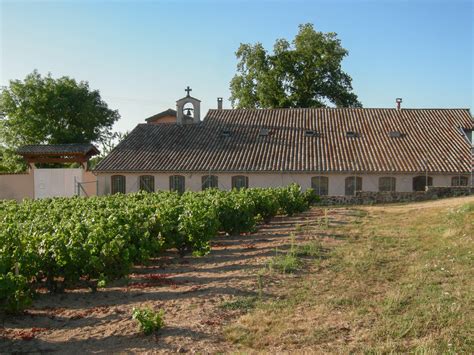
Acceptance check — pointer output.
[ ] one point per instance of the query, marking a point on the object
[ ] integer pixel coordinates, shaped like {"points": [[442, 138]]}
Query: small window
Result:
{"points": [[320, 185], [263, 132], [209, 182], [177, 183], [351, 134], [239, 182], [395, 134], [353, 184], [387, 184], [420, 182], [459, 181], [311, 133], [468, 134], [147, 183], [118, 184]]}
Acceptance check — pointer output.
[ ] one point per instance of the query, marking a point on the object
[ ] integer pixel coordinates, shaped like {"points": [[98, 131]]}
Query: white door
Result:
{"points": [[56, 182]]}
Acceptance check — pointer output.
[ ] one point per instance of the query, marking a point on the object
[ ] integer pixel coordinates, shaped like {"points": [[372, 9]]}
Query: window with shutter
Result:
{"points": [[459, 181], [209, 182], [118, 184], [147, 183], [177, 183], [420, 182], [240, 181], [387, 184], [320, 185], [353, 184]]}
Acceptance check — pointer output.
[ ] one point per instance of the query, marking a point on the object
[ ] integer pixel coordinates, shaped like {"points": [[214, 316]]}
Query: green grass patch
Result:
{"points": [[285, 262], [402, 283], [312, 249], [240, 303], [292, 260]]}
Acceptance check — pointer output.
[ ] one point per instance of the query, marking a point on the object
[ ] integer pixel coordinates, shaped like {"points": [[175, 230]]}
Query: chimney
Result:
{"points": [[219, 103], [398, 100]]}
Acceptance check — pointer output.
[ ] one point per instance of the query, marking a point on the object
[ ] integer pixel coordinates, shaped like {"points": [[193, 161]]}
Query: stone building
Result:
{"points": [[337, 151]]}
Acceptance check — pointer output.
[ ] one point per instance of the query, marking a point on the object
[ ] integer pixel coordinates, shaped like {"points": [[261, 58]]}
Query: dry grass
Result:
{"points": [[402, 281]]}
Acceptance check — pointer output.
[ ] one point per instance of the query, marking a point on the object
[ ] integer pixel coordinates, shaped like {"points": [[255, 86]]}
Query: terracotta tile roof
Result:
{"points": [[55, 149], [168, 112], [229, 141]]}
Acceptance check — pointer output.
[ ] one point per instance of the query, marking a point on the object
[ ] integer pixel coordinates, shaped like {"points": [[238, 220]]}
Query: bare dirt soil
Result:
{"points": [[190, 290]]}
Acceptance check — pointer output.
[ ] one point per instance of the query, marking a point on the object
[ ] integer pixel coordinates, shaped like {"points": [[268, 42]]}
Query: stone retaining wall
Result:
{"points": [[369, 198]]}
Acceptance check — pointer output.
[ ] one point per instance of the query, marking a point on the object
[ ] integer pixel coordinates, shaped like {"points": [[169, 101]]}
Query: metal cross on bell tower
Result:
{"points": [[188, 109], [188, 90]]}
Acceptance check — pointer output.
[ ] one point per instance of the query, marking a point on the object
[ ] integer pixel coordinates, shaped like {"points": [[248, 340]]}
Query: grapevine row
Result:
{"points": [[63, 242]]}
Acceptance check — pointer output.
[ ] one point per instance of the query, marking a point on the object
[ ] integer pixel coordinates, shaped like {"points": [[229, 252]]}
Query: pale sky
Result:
{"points": [[141, 55]]}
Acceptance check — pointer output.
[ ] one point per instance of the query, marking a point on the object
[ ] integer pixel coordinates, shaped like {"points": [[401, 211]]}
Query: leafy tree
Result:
{"points": [[44, 110], [10, 161], [107, 144], [110, 141], [305, 73]]}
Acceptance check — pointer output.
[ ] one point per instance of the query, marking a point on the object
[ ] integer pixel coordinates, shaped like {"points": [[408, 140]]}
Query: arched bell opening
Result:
{"points": [[188, 109]]}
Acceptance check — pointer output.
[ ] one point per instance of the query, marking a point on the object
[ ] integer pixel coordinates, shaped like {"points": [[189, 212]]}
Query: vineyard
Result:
{"points": [[64, 242]]}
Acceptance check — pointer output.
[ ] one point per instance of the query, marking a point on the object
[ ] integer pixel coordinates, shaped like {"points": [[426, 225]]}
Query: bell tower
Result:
{"points": [[188, 109]]}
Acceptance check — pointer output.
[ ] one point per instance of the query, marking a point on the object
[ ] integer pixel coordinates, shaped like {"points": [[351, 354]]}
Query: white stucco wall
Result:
{"points": [[404, 182], [56, 182]]}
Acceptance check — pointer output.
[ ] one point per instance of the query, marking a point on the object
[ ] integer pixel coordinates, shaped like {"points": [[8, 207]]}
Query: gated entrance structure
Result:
{"points": [[60, 181]]}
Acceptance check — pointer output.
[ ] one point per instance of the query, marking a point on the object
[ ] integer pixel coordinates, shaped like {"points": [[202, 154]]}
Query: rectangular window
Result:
{"points": [[209, 182], [421, 182], [177, 183], [147, 183], [240, 181], [469, 135], [311, 133], [395, 134], [387, 184], [353, 184], [459, 181], [118, 184], [320, 185]]}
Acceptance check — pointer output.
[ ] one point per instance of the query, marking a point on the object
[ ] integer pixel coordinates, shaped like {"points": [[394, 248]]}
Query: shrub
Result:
{"points": [[266, 203], [197, 225], [311, 196], [15, 293], [235, 211], [148, 320], [168, 211], [291, 199]]}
